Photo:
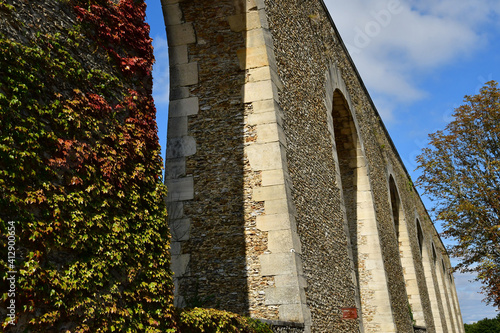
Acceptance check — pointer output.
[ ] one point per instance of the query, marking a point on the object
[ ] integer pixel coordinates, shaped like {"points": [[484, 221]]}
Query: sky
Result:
{"points": [[417, 58]]}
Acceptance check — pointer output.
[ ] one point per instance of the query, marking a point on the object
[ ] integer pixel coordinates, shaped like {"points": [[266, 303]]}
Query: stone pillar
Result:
{"points": [[406, 254], [179, 144], [267, 156], [441, 276], [375, 300], [458, 313]]}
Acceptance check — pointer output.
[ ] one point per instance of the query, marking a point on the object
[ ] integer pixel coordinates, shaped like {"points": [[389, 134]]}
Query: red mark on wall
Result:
{"points": [[349, 313]]}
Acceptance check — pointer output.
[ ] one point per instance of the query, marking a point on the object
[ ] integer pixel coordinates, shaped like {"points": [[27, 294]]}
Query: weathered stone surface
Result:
{"points": [[180, 147]]}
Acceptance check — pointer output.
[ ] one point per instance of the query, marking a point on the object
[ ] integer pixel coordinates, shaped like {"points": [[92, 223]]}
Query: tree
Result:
{"points": [[484, 326], [461, 174]]}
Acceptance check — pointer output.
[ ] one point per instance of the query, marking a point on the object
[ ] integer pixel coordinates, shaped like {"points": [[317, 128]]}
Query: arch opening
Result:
{"points": [[360, 218], [406, 255]]}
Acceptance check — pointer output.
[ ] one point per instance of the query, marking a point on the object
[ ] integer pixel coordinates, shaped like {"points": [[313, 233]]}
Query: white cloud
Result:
{"points": [[472, 307], [393, 42], [397, 43], [161, 72]]}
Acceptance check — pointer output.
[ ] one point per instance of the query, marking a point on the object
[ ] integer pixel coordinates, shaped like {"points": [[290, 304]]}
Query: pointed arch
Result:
{"points": [[359, 211]]}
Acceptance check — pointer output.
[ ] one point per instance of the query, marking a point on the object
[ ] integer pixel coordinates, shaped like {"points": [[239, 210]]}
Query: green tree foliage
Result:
{"points": [[80, 171], [484, 326], [461, 173]]}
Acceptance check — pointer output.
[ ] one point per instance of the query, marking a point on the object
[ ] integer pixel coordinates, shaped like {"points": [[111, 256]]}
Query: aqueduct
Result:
{"points": [[287, 199]]}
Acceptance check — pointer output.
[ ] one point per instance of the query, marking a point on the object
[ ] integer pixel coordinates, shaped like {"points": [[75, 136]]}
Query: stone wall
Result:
{"points": [[293, 203]]}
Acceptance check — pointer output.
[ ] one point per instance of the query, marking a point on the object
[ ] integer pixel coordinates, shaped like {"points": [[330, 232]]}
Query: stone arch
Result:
{"points": [[358, 204], [406, 254], [224, 49], [442, 277], [429, 265]]}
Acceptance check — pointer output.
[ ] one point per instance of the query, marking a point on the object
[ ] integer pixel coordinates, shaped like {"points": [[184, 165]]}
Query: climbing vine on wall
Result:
{"points": [[80, 175], [80, 172]]}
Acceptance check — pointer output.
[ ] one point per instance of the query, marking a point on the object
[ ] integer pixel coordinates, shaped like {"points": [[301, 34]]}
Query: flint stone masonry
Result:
{"points": [[287, 199]]}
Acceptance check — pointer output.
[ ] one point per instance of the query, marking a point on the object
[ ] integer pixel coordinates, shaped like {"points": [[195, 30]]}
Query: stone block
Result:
{"points": [[291, 312], [179, 229], [242, 22], [263, 17], [175, 248], [179, 93], [179, 264], [254, 57], [175, 210], [269, 193], [180, 34], [280, 206], [259, 37], [172, 14], [285, 240], [181, 147], [266, 106], [175, 167], [285, 263], [258, 91], [270, 133], [273, 177], [177, 127], [242, 6], [180, 189], [178, 55], [290, 281], [183, 107], [184, 74], [263, 118], [268, 156], [282, 295], [259, 74], [276, 222]]}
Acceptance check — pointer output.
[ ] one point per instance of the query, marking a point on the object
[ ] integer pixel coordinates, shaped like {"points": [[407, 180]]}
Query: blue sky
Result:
{"points": [[418, 58]]}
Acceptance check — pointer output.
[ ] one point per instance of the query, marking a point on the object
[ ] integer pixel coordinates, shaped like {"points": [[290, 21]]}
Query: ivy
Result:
{"points": [[80, 177], [80, 173]]}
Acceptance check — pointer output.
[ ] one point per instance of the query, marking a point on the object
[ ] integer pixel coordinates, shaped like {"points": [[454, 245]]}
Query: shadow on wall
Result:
{"points": [[205, 156]]}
